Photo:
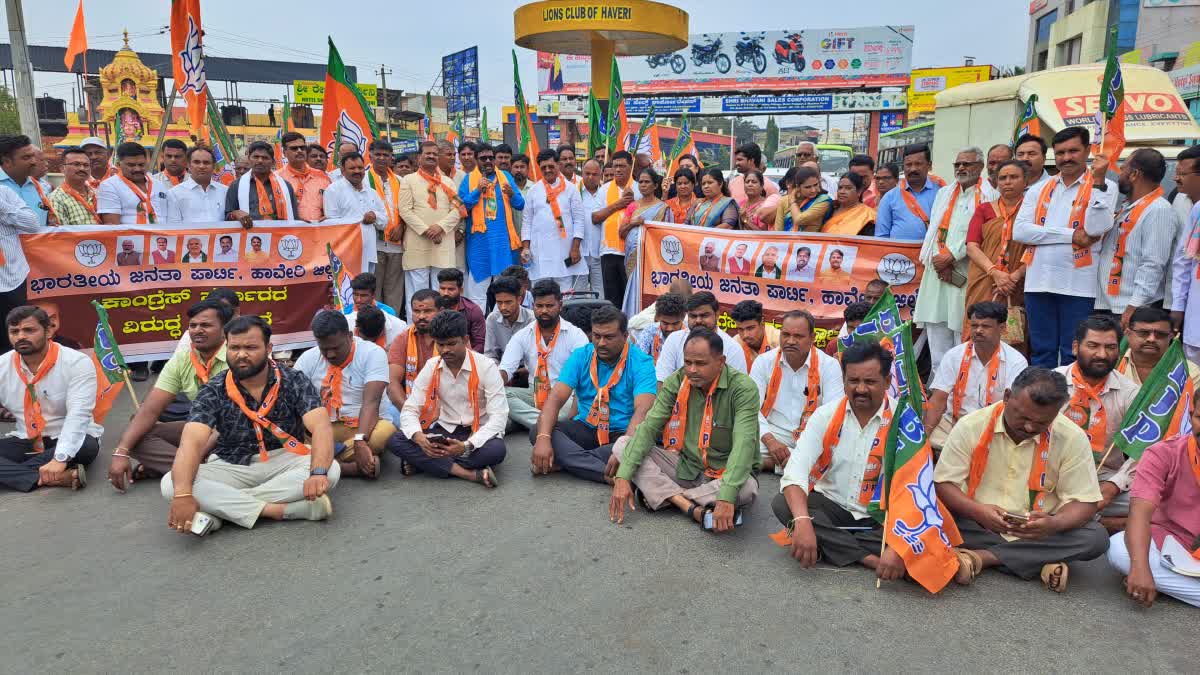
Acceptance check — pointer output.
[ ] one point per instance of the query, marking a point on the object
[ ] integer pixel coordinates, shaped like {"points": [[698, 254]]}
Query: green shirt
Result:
{"points": [[180, 375], [734, 445]]}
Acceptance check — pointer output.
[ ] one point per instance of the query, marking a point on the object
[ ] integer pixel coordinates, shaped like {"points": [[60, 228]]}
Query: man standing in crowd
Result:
{"points": [[318, 158], [389, 259], [748, 157], [566, 164], [593, 202], [466, 156], [260, 194], [431, 211], [507, 318], [131, 196], [1062, 221], [174, 162], [450, 287], [1031, 148], [343, 148], [197, 199], [1185, 279], [806, 152], [903, 213], [74, 202], [492, 234], [553, 228], [887, 176], [309, 186], [997, 155], [99, 156], [702, 312], [618, 193], [349, 200]]}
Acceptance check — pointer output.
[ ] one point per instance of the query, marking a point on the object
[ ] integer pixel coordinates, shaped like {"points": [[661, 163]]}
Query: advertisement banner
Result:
{"points": [[763, 104], [147, 276], [784, 271], [460, 76], [927, 82], [312, 92], [870, 56]]}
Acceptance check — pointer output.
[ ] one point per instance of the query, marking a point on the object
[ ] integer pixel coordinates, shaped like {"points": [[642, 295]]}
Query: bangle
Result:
{"points": [[546, 435], [185, 494], [117, 453], [792, 523]]}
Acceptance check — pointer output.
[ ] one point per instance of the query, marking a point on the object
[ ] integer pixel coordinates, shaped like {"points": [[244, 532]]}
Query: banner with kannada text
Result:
{"points": [[820, 273], [147, 276]]}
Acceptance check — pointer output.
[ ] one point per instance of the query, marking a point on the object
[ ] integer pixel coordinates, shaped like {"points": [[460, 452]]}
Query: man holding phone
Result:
{"points": [[553, 227], [992, 475]]}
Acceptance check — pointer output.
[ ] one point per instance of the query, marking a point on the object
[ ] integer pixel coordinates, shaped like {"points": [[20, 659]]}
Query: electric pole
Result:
{"points": [[383, 72], [22, 72]]}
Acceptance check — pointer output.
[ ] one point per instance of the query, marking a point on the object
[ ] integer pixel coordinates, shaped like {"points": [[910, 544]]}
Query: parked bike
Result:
{"points": [[750, 50], [675, 60], [711, 53], [790, 50]]}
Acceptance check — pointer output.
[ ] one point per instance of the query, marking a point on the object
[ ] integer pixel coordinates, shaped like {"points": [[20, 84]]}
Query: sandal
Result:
{"points": [[969, 566], [407, 469], [139, 473], [487, 478], [79, 480], [1059, 570]]}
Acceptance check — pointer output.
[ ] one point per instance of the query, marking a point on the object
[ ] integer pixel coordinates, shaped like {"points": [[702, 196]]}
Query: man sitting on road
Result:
{"points": [[362, 289], [670, 314], [1021, 483], [452, 423], [707, 416], [351, 376], [260, 411], [370, 325], [1149, 335], [754, 335], [793, 381], [508, 317], [973, 374], [615, 387], [450, 287], [702, 312], [154, 444], [410, 352], [541, 348]]}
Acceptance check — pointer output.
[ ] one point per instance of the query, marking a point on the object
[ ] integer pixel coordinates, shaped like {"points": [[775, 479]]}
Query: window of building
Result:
{"points": [[1070, 7], [1042, 28], [1042, 60], [1069, 51], [1126, 20]]}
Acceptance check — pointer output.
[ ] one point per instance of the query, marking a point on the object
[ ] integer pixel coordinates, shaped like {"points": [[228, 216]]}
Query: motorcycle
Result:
{"points": [[675, 60], [711, 53], [790, 50], [750, 50]]}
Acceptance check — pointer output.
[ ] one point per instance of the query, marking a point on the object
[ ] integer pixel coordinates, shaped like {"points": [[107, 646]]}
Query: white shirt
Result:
{"points": [[843, 480], [225, 257], [454, 404], [521, 349], [1147, 262], [546, 244], [114, 196], [670, 357], [369, 364], [1182, 206], [189, 203], [1185, 286], [975, 394], [603, 194], [67, 394], [344, 204], [793, 388], [592, 202], [1053, 269], [15, 217], [393, 326]]}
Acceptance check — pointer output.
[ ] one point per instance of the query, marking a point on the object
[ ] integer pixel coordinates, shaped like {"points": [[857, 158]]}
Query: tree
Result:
{"points": [[772, 144], [10, 119], [743, 130]]}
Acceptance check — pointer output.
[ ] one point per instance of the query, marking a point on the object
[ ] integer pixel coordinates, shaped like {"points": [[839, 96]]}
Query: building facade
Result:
{"points": [[1066, 32]]}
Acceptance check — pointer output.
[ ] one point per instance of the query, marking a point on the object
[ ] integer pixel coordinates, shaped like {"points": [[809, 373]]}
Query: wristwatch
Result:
{"points": [[62, 457], [470, 447], [360, 437], [319, 472]]}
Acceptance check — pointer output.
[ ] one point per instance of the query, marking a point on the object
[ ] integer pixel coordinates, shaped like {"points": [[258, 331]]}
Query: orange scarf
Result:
{"points": [[1127, 225], [485, 209], [943, 230], [541, 376], [259, 417], [612, 225], [173, 180], [677, 425], [1037, 472], [94, 183], [1079, 411], [88, 202], [31, 408], [435, 183], [598, 415], [45, 202], [911, 202], [268, 210], [680, 209], [1082, 256], [379, 340], [431, 409], [751, 354], [1006, 234], [833, 435], [552, 194], [656, 346], [964, 371], [331, 388], [392, 206], [203, 370], [145, 210], [411, 354], [812, 392]]}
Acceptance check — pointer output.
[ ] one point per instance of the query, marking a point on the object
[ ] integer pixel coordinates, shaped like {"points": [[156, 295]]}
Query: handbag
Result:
{"points": [[1014, 328]]}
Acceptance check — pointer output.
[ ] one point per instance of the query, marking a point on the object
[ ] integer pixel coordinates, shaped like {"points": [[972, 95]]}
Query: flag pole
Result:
{"points": [[882, 548], [1103, 459], [129, 388], [162, 132]]}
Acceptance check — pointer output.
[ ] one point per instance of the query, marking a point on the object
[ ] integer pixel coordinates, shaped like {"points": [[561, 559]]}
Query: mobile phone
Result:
{"points": [[567, 261], [1015, 518], [708, 519], [201, 524], [436, 439]]}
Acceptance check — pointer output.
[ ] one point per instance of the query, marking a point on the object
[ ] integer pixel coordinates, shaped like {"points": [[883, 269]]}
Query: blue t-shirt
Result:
{"points": [[637, 378]]}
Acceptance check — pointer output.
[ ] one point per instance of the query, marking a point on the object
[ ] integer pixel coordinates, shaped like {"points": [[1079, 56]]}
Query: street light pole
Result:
{"points": [[383, 72], [22, 72]]}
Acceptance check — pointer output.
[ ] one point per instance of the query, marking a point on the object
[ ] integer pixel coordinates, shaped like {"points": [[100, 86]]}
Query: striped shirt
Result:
{"points": [[70, 211], [1146, 266], [15, 217]]}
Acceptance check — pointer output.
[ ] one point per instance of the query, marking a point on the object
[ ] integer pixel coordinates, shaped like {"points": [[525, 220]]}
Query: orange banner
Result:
{"points": [[820, 273], [147, 276]]}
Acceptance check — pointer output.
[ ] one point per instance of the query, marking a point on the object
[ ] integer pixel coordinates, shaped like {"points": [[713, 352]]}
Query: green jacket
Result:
{"points": [[735, 436]]}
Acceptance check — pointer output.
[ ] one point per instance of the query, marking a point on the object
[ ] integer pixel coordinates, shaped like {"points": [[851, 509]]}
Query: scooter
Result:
{"points": [[790, 50], [676, 61], [711, 53], [750, 50]]}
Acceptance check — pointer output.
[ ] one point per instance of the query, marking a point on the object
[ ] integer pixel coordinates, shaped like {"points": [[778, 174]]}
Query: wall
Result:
{"points": [[1090, 22], [1166, 29]]}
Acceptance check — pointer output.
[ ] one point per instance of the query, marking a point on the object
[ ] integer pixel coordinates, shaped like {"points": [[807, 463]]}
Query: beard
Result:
{"points": [[241, 372], [1096, 368]]}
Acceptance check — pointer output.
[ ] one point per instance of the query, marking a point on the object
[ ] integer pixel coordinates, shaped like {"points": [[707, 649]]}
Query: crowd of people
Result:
{"points": [[666, 407]]}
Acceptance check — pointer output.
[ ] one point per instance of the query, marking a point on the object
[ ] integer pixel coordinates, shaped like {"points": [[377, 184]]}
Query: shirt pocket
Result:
{"points": [[722, 438]]}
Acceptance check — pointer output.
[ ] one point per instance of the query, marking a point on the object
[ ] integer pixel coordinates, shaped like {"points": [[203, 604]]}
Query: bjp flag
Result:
{"points": [[187, 60], [346, 116]]}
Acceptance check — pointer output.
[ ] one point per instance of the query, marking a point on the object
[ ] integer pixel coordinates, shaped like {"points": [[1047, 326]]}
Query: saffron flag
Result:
{"points": [[596, 137], [883, 325], [187, 59], [1162, 407], [485, 136], [1028, 122], [346, 117], [527, 143], [110, 365], [343, 295], [618, 121], [684, 145], [1109, 138], [77, 44], [915, 523]]}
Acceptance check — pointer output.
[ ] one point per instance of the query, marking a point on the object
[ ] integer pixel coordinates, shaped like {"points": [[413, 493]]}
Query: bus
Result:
{"points": [[892, 144]]}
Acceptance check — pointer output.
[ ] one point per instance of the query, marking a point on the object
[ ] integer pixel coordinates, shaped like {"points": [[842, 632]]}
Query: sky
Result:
{"points": [[992, 32]]}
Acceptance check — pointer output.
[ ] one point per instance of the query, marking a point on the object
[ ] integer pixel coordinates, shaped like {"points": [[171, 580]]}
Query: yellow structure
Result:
{"points": [[130, 105], [602, 29]]}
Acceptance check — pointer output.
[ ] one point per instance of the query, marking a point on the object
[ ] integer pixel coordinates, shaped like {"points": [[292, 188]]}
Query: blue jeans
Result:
{"points": [[1052, 321]]}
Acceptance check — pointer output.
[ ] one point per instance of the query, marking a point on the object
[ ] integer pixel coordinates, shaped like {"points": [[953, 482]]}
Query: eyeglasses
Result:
{"points": [[294, 148], [1146, 333], [485, 158]]}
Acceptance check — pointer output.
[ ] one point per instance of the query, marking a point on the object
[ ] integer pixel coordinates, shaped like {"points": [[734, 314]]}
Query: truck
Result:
{"points": [[985, 113]]}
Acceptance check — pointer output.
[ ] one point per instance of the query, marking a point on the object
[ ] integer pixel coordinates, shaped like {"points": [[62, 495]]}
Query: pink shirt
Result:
{"points": [[1164, 478], [737, 188]]}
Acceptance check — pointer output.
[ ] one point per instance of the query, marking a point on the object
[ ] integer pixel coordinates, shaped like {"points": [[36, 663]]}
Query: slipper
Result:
{"points": [[969, 566], [139, 473], [487, 478], [407, 469], [80, 481], [1048, 572]]}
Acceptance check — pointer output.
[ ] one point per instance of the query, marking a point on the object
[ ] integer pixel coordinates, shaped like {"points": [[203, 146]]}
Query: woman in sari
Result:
{"points": [[851, 216], [996, 273], [758, 204], [649, 207], [688, 162], [806, 207], [684, 200], [717, 209]]}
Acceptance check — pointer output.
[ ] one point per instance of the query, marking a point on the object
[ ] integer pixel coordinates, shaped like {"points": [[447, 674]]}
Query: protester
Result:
{"points": [[318, 158], [362, 295], [706, 416], [1062, 220], [747, 159], [506, 319], [593, 200], [754, 336], [793, 380], [343, 148], [74, 202], [618, 193], [260, 194], [1031, 148], [541, 348], [99, 156], [447, 162], [1149, 336], [565, 155], [702, 312], [174, 159], [466, 156], [614, 385], [493, 236], [197, 199], [308, 186], [904, 213], [431, 211], [683, 195], [350, 200], [992, 476], [864, 167], [450, 287], [131, 196], [409, 353], [553, 228], [716, 207], [51, 391], [997, 155], [1185, 282], [670, 314], [757, 210], [997, 270], [371, 326], [452, 423], [887, 176], [851, 216], [389, 261], [805, 208]]}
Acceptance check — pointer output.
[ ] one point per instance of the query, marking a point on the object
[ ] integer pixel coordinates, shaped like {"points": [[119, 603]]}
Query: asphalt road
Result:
{"points": [[418, 574]]}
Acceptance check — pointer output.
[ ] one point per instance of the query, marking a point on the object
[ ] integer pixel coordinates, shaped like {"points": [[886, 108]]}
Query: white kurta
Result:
{"points": [[546, 242], [345, 204], [939, 301]]}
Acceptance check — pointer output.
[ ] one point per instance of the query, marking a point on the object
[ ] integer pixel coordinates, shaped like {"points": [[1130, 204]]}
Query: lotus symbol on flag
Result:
{"points": [[352, 133], [192, 59], [925, 498]]}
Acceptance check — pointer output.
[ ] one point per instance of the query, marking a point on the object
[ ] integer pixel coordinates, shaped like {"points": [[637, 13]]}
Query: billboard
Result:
{"points": [[762, 104], [927, 82], [871, 56], [312, 92], [460, 77]]}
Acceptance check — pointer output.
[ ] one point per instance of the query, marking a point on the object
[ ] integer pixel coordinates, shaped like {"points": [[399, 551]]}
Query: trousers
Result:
{"points": [[612, 268], [836, 546], [594, 280], [577, 449], [239, 493], [490, 453], [941, 340], [522, 407], [415, 280], [476, 291], [1051, 336], [19, 464], [156, 451], [389, 280], [1178, 586], [377, 440], [657, 479], [1024, 558]]}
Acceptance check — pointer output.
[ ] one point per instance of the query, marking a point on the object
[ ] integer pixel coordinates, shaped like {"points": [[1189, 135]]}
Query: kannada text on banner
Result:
{"points": [[784, 271], [147, 276]]}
